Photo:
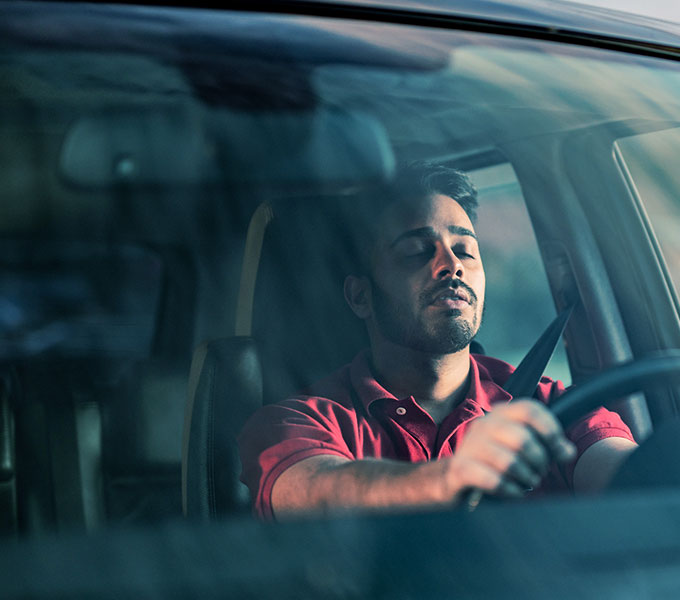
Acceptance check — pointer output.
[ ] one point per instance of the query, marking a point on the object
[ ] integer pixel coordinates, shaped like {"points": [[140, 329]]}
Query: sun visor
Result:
{"points": [[171, 147]]}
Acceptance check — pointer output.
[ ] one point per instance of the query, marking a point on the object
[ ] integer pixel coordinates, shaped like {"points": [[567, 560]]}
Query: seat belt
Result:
{"points": [[524, 379]]}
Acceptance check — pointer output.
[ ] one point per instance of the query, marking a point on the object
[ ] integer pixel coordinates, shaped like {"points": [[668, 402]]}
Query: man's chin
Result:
{"points": [[452, 342], [458, 337]]}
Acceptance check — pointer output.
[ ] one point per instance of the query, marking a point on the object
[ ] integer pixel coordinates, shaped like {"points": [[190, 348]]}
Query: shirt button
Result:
{"points": [[401, 410]]}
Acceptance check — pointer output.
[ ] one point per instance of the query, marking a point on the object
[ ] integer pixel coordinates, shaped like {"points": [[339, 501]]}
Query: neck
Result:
{"points": [[430, 379]]}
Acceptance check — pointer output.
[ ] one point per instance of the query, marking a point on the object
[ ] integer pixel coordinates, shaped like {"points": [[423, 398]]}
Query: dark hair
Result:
{"points": [[421, 179], [412, 183]]}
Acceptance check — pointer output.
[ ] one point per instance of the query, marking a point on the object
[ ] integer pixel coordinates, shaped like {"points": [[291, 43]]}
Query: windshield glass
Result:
{"points": [[172, 176]]}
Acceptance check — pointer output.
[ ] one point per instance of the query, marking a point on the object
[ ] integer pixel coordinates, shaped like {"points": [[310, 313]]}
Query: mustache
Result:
{"points": [[454, 284]]}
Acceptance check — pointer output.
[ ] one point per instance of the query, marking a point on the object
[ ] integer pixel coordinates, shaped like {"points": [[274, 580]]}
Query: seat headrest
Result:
{"points": [[304, 328]]}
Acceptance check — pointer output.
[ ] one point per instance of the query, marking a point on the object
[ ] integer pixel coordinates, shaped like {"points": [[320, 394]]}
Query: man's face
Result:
{"points": [[427, 281]]}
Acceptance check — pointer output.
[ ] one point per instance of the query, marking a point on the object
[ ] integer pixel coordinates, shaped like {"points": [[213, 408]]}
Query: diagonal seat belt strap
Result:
{"points": [[525, 378]]}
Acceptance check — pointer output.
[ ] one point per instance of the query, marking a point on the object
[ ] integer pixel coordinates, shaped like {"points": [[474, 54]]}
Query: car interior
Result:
{"points": [[176, 184]]}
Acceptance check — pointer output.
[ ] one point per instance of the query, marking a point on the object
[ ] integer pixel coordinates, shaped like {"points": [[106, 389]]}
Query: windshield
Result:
{"points": [[176, 176]]}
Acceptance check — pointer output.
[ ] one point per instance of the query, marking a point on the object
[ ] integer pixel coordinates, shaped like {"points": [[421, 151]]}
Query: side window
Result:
{"points": [[519, 305], [651, 160]]}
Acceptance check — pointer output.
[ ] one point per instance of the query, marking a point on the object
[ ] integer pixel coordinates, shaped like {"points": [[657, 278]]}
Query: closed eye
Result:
{"points": [[415, 247], [462, 251]]}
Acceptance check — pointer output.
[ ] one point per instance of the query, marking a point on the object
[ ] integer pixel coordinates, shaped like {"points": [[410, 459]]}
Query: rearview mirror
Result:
{"points": [[171, 146]]}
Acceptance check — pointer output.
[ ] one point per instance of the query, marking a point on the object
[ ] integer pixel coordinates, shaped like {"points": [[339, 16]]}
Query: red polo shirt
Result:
{"points": [[350, 414]]}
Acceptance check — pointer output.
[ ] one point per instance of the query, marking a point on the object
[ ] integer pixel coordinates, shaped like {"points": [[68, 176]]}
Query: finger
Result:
{"points": [[546, 426], [482, 476], [512, 466], [509, 489], [521, 439]]}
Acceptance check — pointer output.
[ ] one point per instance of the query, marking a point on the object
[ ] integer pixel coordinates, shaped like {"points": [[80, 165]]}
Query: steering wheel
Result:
{"points": [[654, 370]]}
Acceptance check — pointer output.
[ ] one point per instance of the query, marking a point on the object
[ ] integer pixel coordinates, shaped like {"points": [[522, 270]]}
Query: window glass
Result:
{"points": [[651, 160], [518, 300]]}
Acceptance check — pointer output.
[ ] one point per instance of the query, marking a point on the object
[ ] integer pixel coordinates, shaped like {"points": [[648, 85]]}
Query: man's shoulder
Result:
{"points": [[352, 386], [327, 401]]}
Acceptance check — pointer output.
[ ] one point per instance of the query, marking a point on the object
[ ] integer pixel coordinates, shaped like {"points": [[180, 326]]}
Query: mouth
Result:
{"points": [[454, 298]]}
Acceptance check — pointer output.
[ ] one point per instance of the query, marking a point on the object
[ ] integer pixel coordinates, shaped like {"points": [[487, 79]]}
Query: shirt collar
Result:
{"points": [[482, 393], [364, 382]]}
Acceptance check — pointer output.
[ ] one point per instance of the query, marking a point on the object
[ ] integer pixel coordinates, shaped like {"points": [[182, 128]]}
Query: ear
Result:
{"points": [[358, 295]]}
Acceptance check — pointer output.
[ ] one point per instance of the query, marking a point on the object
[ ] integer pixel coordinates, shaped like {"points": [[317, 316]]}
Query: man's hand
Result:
{"points": [[508, 451]]}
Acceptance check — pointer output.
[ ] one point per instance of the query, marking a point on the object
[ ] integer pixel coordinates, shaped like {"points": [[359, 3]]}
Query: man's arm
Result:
{"points": [[598, 464], [503, 453]]}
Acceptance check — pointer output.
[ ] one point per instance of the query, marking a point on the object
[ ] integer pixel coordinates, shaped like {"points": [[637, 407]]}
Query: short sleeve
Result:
{"points": [[597, 425], [280, 435]]}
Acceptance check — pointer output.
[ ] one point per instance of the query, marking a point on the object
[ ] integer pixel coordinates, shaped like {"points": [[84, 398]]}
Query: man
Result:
{"points": [[417, 420]]}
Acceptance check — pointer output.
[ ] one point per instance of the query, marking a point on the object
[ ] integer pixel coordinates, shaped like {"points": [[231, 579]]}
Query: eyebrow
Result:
{"points": [[429, 232]]}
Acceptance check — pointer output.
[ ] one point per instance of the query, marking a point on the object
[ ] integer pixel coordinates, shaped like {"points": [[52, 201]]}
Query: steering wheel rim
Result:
{"points": [[654, 370]]}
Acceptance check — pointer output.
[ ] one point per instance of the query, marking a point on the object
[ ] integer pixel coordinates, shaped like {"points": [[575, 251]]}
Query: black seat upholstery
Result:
{"points": [[8, 500], [225, 388]]}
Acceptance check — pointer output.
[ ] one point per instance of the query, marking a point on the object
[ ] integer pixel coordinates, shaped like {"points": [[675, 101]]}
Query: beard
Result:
{"points": [[452, 333]]}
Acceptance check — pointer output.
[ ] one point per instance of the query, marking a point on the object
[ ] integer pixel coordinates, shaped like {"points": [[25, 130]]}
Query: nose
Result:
{"points": [[447, 264]]}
